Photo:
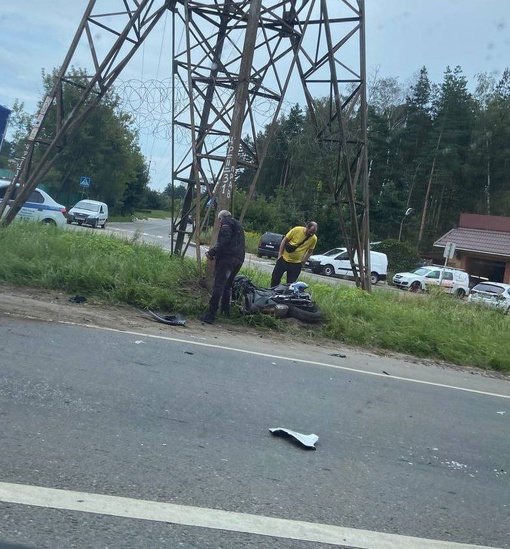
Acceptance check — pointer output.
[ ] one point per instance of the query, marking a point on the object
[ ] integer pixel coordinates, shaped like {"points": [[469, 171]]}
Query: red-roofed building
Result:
{"points": [[482, 246]]}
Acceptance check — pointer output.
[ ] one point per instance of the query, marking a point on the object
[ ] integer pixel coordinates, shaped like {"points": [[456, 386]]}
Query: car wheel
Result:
{"points": [[93, 224], [48, 222], [460, 293], [328, 270], [80, 222], [259, 255], [415, 287], [69, 222], [374, 278], [104, 224]]}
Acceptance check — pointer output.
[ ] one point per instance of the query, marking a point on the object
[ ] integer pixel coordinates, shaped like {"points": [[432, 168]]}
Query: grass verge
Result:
{"points": [[126, 271]]}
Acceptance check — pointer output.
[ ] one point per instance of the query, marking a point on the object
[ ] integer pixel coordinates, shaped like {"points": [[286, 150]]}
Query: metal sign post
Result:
{"points": [[449, 252], [84, 184]]}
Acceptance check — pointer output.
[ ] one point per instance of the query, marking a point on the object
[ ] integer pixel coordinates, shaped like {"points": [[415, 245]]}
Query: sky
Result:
{"points": [[401, 37]]}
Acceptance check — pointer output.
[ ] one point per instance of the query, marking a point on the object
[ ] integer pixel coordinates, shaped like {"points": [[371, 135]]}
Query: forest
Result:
{"points": [[435, 150]]}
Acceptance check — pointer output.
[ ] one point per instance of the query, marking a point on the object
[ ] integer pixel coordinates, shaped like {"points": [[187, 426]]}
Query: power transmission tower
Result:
{"points": [[316, 46], [234, 63]]}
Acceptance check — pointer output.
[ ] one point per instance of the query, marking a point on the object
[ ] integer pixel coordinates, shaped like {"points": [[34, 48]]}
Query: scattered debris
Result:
{"points": [[385, 373], [188, 353], [308, 441], [340, 355], [78, 299], [172, 320], [501, 413]]}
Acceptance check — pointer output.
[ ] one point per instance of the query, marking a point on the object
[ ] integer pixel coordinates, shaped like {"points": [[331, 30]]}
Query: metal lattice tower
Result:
{"points": [[235, 67]]}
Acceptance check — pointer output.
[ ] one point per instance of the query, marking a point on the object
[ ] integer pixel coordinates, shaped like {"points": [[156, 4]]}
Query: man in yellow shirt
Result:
{"points": [[296, 247]]}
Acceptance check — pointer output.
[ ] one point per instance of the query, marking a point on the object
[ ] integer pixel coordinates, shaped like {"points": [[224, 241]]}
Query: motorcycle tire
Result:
{"points": [[312, 315]]}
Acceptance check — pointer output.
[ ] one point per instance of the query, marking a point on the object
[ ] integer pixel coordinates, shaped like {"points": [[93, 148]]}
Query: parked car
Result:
{"points": [[336, 262], [38, 207], [492, 294], [269, 245], [454, 281], [89, 212], [329, 253]]}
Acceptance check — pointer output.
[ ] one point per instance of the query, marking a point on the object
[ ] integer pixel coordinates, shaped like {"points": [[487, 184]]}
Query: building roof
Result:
{"points": [[477, 240], [485, 222]]}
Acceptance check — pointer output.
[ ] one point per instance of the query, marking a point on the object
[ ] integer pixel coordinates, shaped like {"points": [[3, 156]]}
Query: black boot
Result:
{"points": [[208, 317]]}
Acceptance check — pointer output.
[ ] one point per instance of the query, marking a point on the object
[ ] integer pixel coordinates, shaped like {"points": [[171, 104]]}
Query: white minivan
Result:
{"points": [[89, 212], [454, 281], [38, 207], [336, 262]]}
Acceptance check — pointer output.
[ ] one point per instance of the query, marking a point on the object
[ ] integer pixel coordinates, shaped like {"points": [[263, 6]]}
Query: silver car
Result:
{"points": [[492, 294]]}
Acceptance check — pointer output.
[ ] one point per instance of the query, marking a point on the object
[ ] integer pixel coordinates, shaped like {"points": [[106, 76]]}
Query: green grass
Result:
{"points": [[140, 214], [98, 266], [107, 268]]}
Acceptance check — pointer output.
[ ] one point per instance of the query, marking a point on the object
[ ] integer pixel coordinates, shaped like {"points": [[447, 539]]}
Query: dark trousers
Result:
{"points": [[225, 271], [293, 270]]}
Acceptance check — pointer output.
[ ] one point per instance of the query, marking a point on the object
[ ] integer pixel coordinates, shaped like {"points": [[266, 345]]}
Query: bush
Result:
{"points": [[401, 256]]}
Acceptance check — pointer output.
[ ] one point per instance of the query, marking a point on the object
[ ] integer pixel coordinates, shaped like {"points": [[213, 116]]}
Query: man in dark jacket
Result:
{"points": [[229, 255]]}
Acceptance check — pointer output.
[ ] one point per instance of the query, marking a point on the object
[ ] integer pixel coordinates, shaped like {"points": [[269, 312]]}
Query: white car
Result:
{"points": [[336, 262], [39, 206], [454, 281], [89, 212], [492, 294]]}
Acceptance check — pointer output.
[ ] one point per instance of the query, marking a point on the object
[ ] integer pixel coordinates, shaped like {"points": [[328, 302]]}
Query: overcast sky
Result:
{"points": [[401, 37]]}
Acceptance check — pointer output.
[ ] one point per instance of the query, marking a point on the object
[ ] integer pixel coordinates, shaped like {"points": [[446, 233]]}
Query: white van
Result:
{"points": [[89, 212], [38, 207], [454, 281], [337, 263]]}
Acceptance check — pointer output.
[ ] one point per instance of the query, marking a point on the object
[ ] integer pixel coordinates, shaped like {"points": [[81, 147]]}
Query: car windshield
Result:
{"points": [[422, 271], [334, 251], [84, 205]]}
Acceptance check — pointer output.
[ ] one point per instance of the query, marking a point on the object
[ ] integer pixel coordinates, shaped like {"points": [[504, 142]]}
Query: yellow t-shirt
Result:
{"points": [[296, 236]]}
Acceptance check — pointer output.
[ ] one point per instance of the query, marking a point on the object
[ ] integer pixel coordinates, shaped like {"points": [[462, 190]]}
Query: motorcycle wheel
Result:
{"points": [[312, 314]]}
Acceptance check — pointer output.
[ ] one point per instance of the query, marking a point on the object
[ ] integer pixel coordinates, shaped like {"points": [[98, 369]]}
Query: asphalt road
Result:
{"points": [[406, 452]]}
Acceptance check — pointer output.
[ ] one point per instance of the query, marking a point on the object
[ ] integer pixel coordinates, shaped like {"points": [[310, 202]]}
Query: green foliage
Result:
{"points": [[401, 256], [434, 147], [105, 149], [98, 266], [252, 241], [434, 326], [106, 268]]}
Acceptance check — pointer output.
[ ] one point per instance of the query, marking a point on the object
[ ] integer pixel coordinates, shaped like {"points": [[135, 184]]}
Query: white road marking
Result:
{"points": [[268, 355], [293, 359], [216, 519]]}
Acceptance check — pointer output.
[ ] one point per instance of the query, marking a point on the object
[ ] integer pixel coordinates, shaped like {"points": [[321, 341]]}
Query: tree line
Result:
{"points": [[434, 151]]}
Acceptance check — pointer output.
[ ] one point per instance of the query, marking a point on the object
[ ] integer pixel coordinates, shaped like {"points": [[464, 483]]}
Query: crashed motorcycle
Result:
{"points": [[284, 300]]}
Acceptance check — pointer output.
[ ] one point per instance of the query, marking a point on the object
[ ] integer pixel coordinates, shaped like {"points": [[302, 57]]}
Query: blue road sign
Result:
{"points": [[84, 181], [4, 119]]}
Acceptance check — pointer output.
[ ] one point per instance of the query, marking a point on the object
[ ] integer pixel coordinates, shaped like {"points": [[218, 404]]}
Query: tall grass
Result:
{"points": [[105, 267], [98, 265]]}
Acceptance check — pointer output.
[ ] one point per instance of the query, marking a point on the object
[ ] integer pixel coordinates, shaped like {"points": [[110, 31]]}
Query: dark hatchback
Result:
{"points": [[269, 245]]}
